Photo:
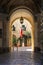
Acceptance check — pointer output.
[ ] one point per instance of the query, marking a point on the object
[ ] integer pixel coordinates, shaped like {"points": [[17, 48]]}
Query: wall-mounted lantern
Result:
{"points": [[13, 28], [21, 20]]}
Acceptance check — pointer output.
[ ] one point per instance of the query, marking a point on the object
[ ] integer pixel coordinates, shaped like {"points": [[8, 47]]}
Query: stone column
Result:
{"points": [[4, 33], [36, 34], [29, 43], [40, 32], [5, 44]]}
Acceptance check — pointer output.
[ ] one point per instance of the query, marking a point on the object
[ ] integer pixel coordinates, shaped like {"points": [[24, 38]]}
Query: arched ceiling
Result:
{"points": [[6, 6]]}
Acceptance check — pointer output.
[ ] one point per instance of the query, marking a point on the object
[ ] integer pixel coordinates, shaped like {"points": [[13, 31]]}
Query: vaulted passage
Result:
{"points": [[21, 32], [22, 29], [29, 11]]}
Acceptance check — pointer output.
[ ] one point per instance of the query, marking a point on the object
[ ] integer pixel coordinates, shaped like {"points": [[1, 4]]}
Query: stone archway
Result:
{"points": [[27, 15], [22, 31]]}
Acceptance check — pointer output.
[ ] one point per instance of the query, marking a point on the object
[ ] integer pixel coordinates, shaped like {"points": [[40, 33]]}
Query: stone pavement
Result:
{"points": [[22, 48], [21, 58]]}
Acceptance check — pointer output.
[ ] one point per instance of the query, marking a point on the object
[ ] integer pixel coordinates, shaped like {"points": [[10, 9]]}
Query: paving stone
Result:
{"points": [[21, 58]]}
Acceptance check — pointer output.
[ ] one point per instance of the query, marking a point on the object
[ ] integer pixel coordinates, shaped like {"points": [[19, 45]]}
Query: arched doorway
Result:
{"points": [[21, 33], [26, 15]]}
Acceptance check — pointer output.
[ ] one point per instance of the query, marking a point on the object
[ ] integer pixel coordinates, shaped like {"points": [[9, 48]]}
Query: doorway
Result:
{"points": [[22, 33]]}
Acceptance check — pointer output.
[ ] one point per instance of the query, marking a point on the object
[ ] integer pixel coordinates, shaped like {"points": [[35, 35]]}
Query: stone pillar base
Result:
{"points": [[37, 49]]}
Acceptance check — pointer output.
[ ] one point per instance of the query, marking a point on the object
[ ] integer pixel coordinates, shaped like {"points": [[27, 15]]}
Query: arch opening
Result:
{"points": [[28, 22]]}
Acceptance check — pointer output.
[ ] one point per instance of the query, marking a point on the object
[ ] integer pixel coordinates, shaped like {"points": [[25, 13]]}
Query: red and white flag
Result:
{"points": [[21, 32]]}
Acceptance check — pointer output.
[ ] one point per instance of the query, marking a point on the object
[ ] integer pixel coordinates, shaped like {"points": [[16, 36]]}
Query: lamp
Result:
{"points": [[13, 28], [21, 20]]}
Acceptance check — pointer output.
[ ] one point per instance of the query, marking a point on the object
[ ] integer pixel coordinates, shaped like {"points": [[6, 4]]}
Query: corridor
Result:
{"points": [[21, 32], [21, 58]]}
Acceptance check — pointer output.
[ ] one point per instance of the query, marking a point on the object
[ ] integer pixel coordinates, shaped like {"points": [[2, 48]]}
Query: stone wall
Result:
{"points": [[0, 33], [36, 34], [4, 41], [4, 44], [40, 31]]}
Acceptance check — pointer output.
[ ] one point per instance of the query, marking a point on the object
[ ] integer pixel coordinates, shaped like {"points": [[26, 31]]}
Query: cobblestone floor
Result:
{"points": [[21, 58]]}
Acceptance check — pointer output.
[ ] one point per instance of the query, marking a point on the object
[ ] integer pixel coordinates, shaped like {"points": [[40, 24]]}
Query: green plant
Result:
{"points": [[14, 40]]}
